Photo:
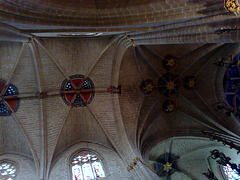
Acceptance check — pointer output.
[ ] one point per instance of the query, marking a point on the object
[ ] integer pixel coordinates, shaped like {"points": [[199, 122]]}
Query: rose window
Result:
{"points": [[9, 101], [77, 90]]}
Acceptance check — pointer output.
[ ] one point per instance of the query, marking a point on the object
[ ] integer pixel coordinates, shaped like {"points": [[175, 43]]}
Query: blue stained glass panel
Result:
{"points": [[3, 109], [68, 87], [86, 85], [12, 90], [230, 173]]}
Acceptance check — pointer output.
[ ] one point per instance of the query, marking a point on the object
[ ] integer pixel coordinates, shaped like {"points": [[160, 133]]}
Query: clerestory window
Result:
{"points": [[86, 166], [8, 170]]}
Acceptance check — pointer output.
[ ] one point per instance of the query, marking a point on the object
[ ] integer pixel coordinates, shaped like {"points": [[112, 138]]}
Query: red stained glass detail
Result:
{"points": [[69, 96], [12, 103], [2, 85], [77, 82], [9, 101], [77, 91], [86, 95]]}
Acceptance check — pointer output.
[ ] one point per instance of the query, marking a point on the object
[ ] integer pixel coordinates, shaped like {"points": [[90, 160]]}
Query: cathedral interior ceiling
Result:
{"points": [[143, 116], [130, 76]]}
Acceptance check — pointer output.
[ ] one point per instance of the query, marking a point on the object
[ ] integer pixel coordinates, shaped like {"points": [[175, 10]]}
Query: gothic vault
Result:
{"points": [[141, 81]]}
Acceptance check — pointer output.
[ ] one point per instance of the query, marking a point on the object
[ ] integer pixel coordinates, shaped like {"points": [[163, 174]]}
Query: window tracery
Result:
{"points": [[8, 170], [86, 166]]}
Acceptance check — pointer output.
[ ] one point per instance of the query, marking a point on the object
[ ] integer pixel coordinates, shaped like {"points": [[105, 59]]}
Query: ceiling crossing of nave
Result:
{"points": [[64, 125], [40, 71], [49, 124], [131, 77], [196, 108], [101, 74], [101, 79]]}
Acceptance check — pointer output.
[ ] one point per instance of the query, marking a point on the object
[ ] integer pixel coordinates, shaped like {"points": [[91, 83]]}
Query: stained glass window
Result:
{"points": [[7, 171], [230, 173], [9, 100], [77, 90], [86, 166], [231, 84]]}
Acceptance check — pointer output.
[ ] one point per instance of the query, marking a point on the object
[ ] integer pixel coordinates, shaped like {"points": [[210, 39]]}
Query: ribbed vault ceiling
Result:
{"points": [[139, 36], [42, 64], [146, 122], [191, 152], [48, 125]]}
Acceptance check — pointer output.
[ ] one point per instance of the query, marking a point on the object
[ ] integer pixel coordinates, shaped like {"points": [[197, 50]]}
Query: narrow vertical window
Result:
{"points": [[86, 166]]}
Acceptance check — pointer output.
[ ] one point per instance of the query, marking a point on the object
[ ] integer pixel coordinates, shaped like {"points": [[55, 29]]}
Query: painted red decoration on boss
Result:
{"points": [[77, 90], [9, 101]]}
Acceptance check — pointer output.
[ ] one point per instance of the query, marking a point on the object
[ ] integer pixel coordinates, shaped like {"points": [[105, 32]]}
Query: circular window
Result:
{"points": [[9, 100], [230, 173], [7, 171], [77, 90]]}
